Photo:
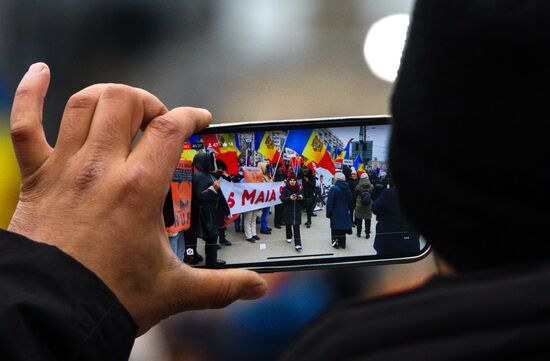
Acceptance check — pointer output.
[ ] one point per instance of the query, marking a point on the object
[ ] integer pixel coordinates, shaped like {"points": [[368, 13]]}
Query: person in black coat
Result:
{"points": [[222, 211], [339, 206], [308, 184], [394, 236], [204, 210], [291, 196], [278, 218]]}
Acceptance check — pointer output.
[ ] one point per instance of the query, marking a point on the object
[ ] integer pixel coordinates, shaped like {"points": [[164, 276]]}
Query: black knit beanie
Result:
{"points": [[470, 145]]}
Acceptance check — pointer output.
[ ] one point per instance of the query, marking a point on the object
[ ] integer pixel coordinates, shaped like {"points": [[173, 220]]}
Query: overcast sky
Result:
{"points": [[379, 134]]}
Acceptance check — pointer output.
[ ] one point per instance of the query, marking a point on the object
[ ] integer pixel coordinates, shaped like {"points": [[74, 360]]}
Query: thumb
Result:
{"points": [[194, 288], [29, 140]]}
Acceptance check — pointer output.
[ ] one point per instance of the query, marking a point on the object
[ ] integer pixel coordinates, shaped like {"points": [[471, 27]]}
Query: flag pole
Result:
{"points": [[280, 155]]}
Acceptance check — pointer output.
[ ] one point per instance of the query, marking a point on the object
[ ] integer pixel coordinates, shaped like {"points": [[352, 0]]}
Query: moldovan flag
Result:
{"points": [[229, 152], [307, 143], [266, 147]]}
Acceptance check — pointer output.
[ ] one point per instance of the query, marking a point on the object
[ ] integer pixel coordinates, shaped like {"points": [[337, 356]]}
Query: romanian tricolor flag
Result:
{"points": [[265, 146], [308, 144], [357, 162], [188, 152], [345, 153], [336, 152], [359, 165], [361, 169]]}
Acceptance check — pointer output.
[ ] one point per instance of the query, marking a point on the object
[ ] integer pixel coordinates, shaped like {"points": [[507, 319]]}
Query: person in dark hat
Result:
{"points": [[340, 203], [205, 207], [279, 176], [308, 187], [292, 197], [394, 236], [471, 97], [222, 211]]}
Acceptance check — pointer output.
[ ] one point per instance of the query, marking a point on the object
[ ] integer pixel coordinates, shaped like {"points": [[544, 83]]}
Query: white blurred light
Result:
{"points": [[384, 44]]}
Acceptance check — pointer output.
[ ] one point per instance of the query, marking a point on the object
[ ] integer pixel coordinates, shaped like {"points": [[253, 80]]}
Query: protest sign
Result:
{"points": [[181, 196], [253, 175], [245, 197]]}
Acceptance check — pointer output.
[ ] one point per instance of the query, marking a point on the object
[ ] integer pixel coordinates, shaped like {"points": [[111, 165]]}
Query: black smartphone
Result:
{"points": [[289, 194]]}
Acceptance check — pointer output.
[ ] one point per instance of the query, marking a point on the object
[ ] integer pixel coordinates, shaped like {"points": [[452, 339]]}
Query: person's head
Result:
{"points": [[339, 176], [364, 176], [321, 178], [474, 99], [292, 180], [201, 161], [220, 164]]}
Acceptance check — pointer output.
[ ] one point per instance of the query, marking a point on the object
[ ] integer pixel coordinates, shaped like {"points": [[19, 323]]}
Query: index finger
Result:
{"points": [[159, 148]]}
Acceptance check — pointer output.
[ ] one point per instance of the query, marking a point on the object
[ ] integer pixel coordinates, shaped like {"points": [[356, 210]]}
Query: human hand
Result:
{"points": [[216, 185], [100, 200]]}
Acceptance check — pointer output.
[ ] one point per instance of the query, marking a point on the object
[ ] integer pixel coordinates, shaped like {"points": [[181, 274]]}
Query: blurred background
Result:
{"points": [[242, 60]]}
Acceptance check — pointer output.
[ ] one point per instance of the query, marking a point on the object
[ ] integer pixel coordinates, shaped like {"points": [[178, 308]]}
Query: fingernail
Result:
{"points": [[36, 68], [255, 292]]}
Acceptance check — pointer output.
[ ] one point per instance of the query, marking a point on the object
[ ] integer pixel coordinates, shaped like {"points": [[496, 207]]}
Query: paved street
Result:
{"points": [[315, 242]]}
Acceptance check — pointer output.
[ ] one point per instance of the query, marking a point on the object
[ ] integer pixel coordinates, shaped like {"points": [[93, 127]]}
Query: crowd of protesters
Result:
{"points": [[350, 201]]}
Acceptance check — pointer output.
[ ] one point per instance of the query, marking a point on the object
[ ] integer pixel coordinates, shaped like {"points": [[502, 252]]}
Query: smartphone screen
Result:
{"points": [[289, 194]]}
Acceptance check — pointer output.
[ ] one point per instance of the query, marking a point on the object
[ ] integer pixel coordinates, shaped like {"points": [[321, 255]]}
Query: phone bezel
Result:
{"points": [[312, 263]]}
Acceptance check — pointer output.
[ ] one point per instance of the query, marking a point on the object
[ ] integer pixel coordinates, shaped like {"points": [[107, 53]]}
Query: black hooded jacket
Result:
{"points": [[204, 203], [498, 315]]}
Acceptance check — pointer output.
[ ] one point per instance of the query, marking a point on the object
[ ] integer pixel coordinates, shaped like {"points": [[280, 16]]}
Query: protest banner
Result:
{"points": [[245, 197], [181, 196]]}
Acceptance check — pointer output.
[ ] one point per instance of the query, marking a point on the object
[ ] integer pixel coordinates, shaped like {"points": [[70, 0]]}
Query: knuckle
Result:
{"points": [[165, 125], [81, 100], [133, 183], [113, 91], [225, 294], [88, 174], [21, 133]]}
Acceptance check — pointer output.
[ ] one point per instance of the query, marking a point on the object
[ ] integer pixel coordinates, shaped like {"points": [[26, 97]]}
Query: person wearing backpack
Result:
{"points": [[363, 205]]}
